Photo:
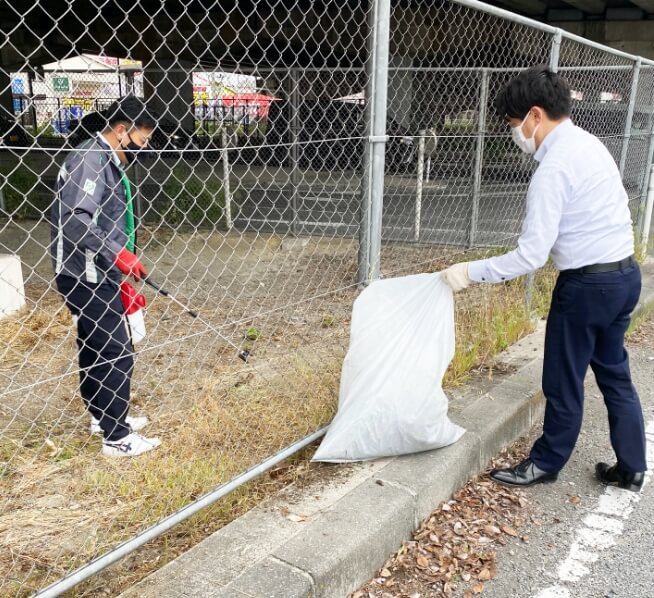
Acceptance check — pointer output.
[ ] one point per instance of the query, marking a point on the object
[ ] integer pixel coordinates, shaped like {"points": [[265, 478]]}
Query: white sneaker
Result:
{"points": [[135, 424], [132, 445]]}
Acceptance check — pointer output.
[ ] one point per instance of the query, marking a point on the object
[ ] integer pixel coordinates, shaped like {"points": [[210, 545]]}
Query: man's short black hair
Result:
{"points": [[537, 86], [132, 111]]}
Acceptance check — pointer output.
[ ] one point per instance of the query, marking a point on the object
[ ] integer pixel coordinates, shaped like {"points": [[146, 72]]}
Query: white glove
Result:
{"points": [[456, 276]]}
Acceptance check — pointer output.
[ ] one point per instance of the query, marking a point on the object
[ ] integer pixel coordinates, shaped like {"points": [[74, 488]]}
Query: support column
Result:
{"points": [[6, 95], [168, 89]]}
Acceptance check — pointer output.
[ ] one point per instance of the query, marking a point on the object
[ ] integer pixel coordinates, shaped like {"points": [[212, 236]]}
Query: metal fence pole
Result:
{"points": [[372, 180], [419, 178], [647, 216], [646, 174], [382, 11], [630, 116], [227, 192], [555, 50], [479, 158], [295, 148], [138, 195]]}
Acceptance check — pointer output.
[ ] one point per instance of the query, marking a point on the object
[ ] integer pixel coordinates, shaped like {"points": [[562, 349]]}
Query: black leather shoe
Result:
{"points": [[615, 476], [524, 474]]}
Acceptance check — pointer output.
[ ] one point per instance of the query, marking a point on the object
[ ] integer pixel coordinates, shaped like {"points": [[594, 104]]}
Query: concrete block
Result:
{"points": [[344, 548], [434, 476], [12, 289], [271, 578]]}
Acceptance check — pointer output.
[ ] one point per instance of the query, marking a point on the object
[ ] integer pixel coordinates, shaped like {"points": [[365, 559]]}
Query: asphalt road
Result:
{"points": [[586, 541], [444, 213]]}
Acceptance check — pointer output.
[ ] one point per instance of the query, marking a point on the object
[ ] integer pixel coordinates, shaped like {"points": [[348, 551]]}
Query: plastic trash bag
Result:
{"points": [[391, 400]]}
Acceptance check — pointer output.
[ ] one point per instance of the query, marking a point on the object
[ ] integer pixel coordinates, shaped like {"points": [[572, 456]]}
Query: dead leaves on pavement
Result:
{"points": [[455, 548]]}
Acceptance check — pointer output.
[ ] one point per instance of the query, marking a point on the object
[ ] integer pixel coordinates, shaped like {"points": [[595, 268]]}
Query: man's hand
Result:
{"points": [[129, 264], [456, 276]]}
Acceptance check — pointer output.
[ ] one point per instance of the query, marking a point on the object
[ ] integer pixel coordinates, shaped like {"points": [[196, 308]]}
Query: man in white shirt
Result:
{"points": [[577, 213]]}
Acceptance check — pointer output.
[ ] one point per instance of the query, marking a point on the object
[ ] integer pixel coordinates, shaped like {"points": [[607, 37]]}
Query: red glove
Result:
{"points": [[128, 264]]}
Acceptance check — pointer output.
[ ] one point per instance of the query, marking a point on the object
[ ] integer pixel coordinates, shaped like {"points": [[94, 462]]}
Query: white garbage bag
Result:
{"points": [[391, 400]]}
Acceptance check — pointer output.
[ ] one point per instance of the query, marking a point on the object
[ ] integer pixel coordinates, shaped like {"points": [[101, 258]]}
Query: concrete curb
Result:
{"points": [[351, 527]]}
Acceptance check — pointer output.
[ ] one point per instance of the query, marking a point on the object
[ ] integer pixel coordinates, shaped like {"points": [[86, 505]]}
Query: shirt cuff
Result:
{"points": [[478, 271]]}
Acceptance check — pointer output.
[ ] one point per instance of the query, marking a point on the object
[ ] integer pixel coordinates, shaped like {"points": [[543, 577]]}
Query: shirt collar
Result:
{"points": [[551, 138], [114, 155]]}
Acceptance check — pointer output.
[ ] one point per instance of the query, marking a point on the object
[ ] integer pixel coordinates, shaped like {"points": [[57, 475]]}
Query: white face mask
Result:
{"points": [[526, 145]]}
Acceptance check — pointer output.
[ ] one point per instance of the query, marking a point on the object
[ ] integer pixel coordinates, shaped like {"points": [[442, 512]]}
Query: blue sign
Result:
{"points": [[17, 89]]}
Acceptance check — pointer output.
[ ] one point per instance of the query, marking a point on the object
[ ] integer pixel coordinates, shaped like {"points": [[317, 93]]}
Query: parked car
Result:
{"points": [[168, 135]]}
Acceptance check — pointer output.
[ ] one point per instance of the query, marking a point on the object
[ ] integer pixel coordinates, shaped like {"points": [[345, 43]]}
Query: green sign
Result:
{"points": [[60, 84]]}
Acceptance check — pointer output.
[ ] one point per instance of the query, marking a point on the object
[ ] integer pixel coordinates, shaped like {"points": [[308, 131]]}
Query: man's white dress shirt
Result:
{"points": [[577, 210]]}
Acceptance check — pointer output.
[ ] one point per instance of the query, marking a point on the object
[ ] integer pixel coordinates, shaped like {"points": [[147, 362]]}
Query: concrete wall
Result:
{"points": [[635, 37]]}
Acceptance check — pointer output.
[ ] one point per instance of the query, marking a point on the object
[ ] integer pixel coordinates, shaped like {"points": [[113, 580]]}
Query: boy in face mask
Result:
{"points": [[92, 247], [577, 213]]}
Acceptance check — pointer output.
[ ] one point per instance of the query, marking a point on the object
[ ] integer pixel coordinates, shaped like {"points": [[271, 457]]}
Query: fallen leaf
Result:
{"points": [[575, 500], [491, 530], [509, 531], [296, 518], [385, 573], [484, 575], [478, 588], [446, 507], [422, 561]]}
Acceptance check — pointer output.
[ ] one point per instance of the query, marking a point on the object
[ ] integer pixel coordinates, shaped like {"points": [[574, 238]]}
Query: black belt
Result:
{"points": [[599, 268]]}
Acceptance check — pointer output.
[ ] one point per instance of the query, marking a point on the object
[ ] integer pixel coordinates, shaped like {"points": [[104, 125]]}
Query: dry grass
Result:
{"points": [[34, 327], [63, 505]]}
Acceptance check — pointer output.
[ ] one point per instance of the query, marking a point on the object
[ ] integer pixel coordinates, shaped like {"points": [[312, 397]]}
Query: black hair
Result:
{"points": [[133, 111], [537, 86]]}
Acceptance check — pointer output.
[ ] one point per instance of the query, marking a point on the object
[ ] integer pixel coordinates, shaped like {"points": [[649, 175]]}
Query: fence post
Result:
{"points": [[226, 185], [647, 216], [372, 179], [419, 178], [294, 154], [138, 181], [555, 50], [646, 172], [479, 158], [630, 116]]}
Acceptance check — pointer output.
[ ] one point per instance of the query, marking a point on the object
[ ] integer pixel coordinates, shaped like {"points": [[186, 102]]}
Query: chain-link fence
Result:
{"points": [[302, 149]]}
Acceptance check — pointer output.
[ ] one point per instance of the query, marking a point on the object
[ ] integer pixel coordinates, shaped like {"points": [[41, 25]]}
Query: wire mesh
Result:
{"points": [[250, 210]]}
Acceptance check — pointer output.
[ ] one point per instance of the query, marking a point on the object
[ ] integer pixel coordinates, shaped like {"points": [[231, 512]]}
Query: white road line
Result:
{"points": [[600, 530]]}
